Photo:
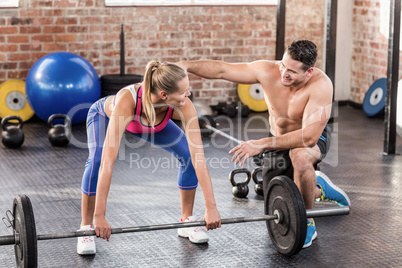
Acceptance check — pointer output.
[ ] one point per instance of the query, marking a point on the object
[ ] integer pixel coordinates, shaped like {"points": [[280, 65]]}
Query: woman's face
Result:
{"points": [[178, 98]]}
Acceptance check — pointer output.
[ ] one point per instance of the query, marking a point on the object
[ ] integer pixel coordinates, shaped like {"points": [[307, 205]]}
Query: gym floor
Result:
{"points": [[51, 177]]}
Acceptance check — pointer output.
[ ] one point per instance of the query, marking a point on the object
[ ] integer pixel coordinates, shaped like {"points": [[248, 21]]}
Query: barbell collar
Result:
{"points": [[7, 240]]}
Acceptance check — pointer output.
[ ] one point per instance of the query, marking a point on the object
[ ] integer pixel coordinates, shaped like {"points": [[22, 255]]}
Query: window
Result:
{"points": [[385, 20], [187, 2], [8, 3]]}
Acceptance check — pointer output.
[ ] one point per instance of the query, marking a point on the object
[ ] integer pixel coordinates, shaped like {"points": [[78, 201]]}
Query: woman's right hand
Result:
{"points": [[102, 228], [212, 218]]}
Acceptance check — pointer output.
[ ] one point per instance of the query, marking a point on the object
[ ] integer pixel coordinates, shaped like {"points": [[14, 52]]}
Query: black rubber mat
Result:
{"points": [[144, 191]]}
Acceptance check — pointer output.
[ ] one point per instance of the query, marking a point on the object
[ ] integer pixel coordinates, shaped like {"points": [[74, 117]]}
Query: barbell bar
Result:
{"points": [[220, 132], [311, 213], [208, 122]]}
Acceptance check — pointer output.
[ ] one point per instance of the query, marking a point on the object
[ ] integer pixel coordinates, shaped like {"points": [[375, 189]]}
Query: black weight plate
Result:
{"points": [[289, 235], [206, 120], [26, 253], [111, 83]]}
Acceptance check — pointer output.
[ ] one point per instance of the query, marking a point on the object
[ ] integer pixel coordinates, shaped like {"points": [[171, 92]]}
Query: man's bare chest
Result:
{"points": [[287, 103]]}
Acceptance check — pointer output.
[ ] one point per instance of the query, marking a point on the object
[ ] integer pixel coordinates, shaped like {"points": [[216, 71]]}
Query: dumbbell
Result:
{"points": [[242, 109], [228, 109]]}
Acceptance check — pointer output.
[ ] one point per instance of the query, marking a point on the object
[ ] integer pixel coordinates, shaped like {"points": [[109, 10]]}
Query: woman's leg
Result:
{"points": [[187, 203], [87, 209], [172, 139], [96, 131]]}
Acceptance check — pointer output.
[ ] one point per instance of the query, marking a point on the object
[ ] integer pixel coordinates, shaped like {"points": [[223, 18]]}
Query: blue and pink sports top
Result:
{"points": [[135, 125]]}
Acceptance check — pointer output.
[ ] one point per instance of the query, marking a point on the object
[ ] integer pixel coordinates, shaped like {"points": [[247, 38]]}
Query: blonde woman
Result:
{"points": [[146, 108]]}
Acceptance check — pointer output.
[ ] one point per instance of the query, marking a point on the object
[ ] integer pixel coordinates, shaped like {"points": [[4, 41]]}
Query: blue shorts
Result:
{"points": [[171, 138]]}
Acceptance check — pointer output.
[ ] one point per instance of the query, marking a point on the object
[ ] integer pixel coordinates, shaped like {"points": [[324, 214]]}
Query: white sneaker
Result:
{"points": [[194, 234], [86, 244]]}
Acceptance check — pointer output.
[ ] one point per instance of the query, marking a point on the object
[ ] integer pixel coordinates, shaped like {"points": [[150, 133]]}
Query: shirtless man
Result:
{"points": [[299, 99]]}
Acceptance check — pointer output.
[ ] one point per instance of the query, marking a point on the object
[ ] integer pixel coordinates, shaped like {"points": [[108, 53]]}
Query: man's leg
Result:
{"points": [[303, 160]]}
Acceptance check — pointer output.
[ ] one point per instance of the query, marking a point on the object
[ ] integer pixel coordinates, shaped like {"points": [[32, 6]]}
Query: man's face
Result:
{"points": [[291, 70]]}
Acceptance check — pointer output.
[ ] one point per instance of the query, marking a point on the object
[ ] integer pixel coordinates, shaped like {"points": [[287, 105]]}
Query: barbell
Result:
{"points": [[208, 122], [285, 217], [208, 126]]}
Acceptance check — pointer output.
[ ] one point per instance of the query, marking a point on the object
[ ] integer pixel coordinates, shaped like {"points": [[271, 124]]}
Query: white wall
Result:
{"points": [[343, 50]]}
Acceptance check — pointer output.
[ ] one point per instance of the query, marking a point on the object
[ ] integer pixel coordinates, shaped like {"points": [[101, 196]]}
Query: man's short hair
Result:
{"points": [[304, 51]]}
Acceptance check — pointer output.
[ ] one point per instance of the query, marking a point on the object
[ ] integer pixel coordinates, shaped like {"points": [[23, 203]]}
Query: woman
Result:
{"points": [[138, 109]]}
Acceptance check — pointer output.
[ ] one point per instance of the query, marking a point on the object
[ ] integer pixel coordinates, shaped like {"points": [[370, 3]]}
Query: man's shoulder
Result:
{"points": [[264, 63], [320, 77], [267, 69], [320, 85]]}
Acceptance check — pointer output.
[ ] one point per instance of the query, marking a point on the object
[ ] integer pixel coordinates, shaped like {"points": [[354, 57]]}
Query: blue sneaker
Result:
{"points": [[329, 191], [311, 233]]}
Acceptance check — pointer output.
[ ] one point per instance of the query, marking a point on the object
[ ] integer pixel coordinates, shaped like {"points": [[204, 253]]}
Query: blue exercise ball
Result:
{"points": [[62, 83]]}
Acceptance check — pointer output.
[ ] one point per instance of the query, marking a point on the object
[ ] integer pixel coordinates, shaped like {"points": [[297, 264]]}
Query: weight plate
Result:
{"points": [[206, 120], [374, 100], [111, 83], [289, 234], [13, 100], [252, 96], [26, 254]]}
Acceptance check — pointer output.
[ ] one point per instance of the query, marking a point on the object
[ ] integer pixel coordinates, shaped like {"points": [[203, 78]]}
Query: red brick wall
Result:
{"points": [[91, 30], [370, 46], [369, 60], [306, 20]]}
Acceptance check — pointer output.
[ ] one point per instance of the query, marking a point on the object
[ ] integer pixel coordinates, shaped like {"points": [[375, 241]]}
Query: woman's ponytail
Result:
{"points": [[159, 77], [147, 106]]}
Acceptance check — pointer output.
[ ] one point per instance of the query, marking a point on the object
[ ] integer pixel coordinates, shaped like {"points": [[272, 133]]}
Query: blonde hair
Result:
{"points": [[159, 77]]}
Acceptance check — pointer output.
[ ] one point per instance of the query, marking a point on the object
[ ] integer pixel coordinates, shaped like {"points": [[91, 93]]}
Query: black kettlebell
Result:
{"points": [[258, 183], [12, 136], [59, 135], [240, 189]]}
